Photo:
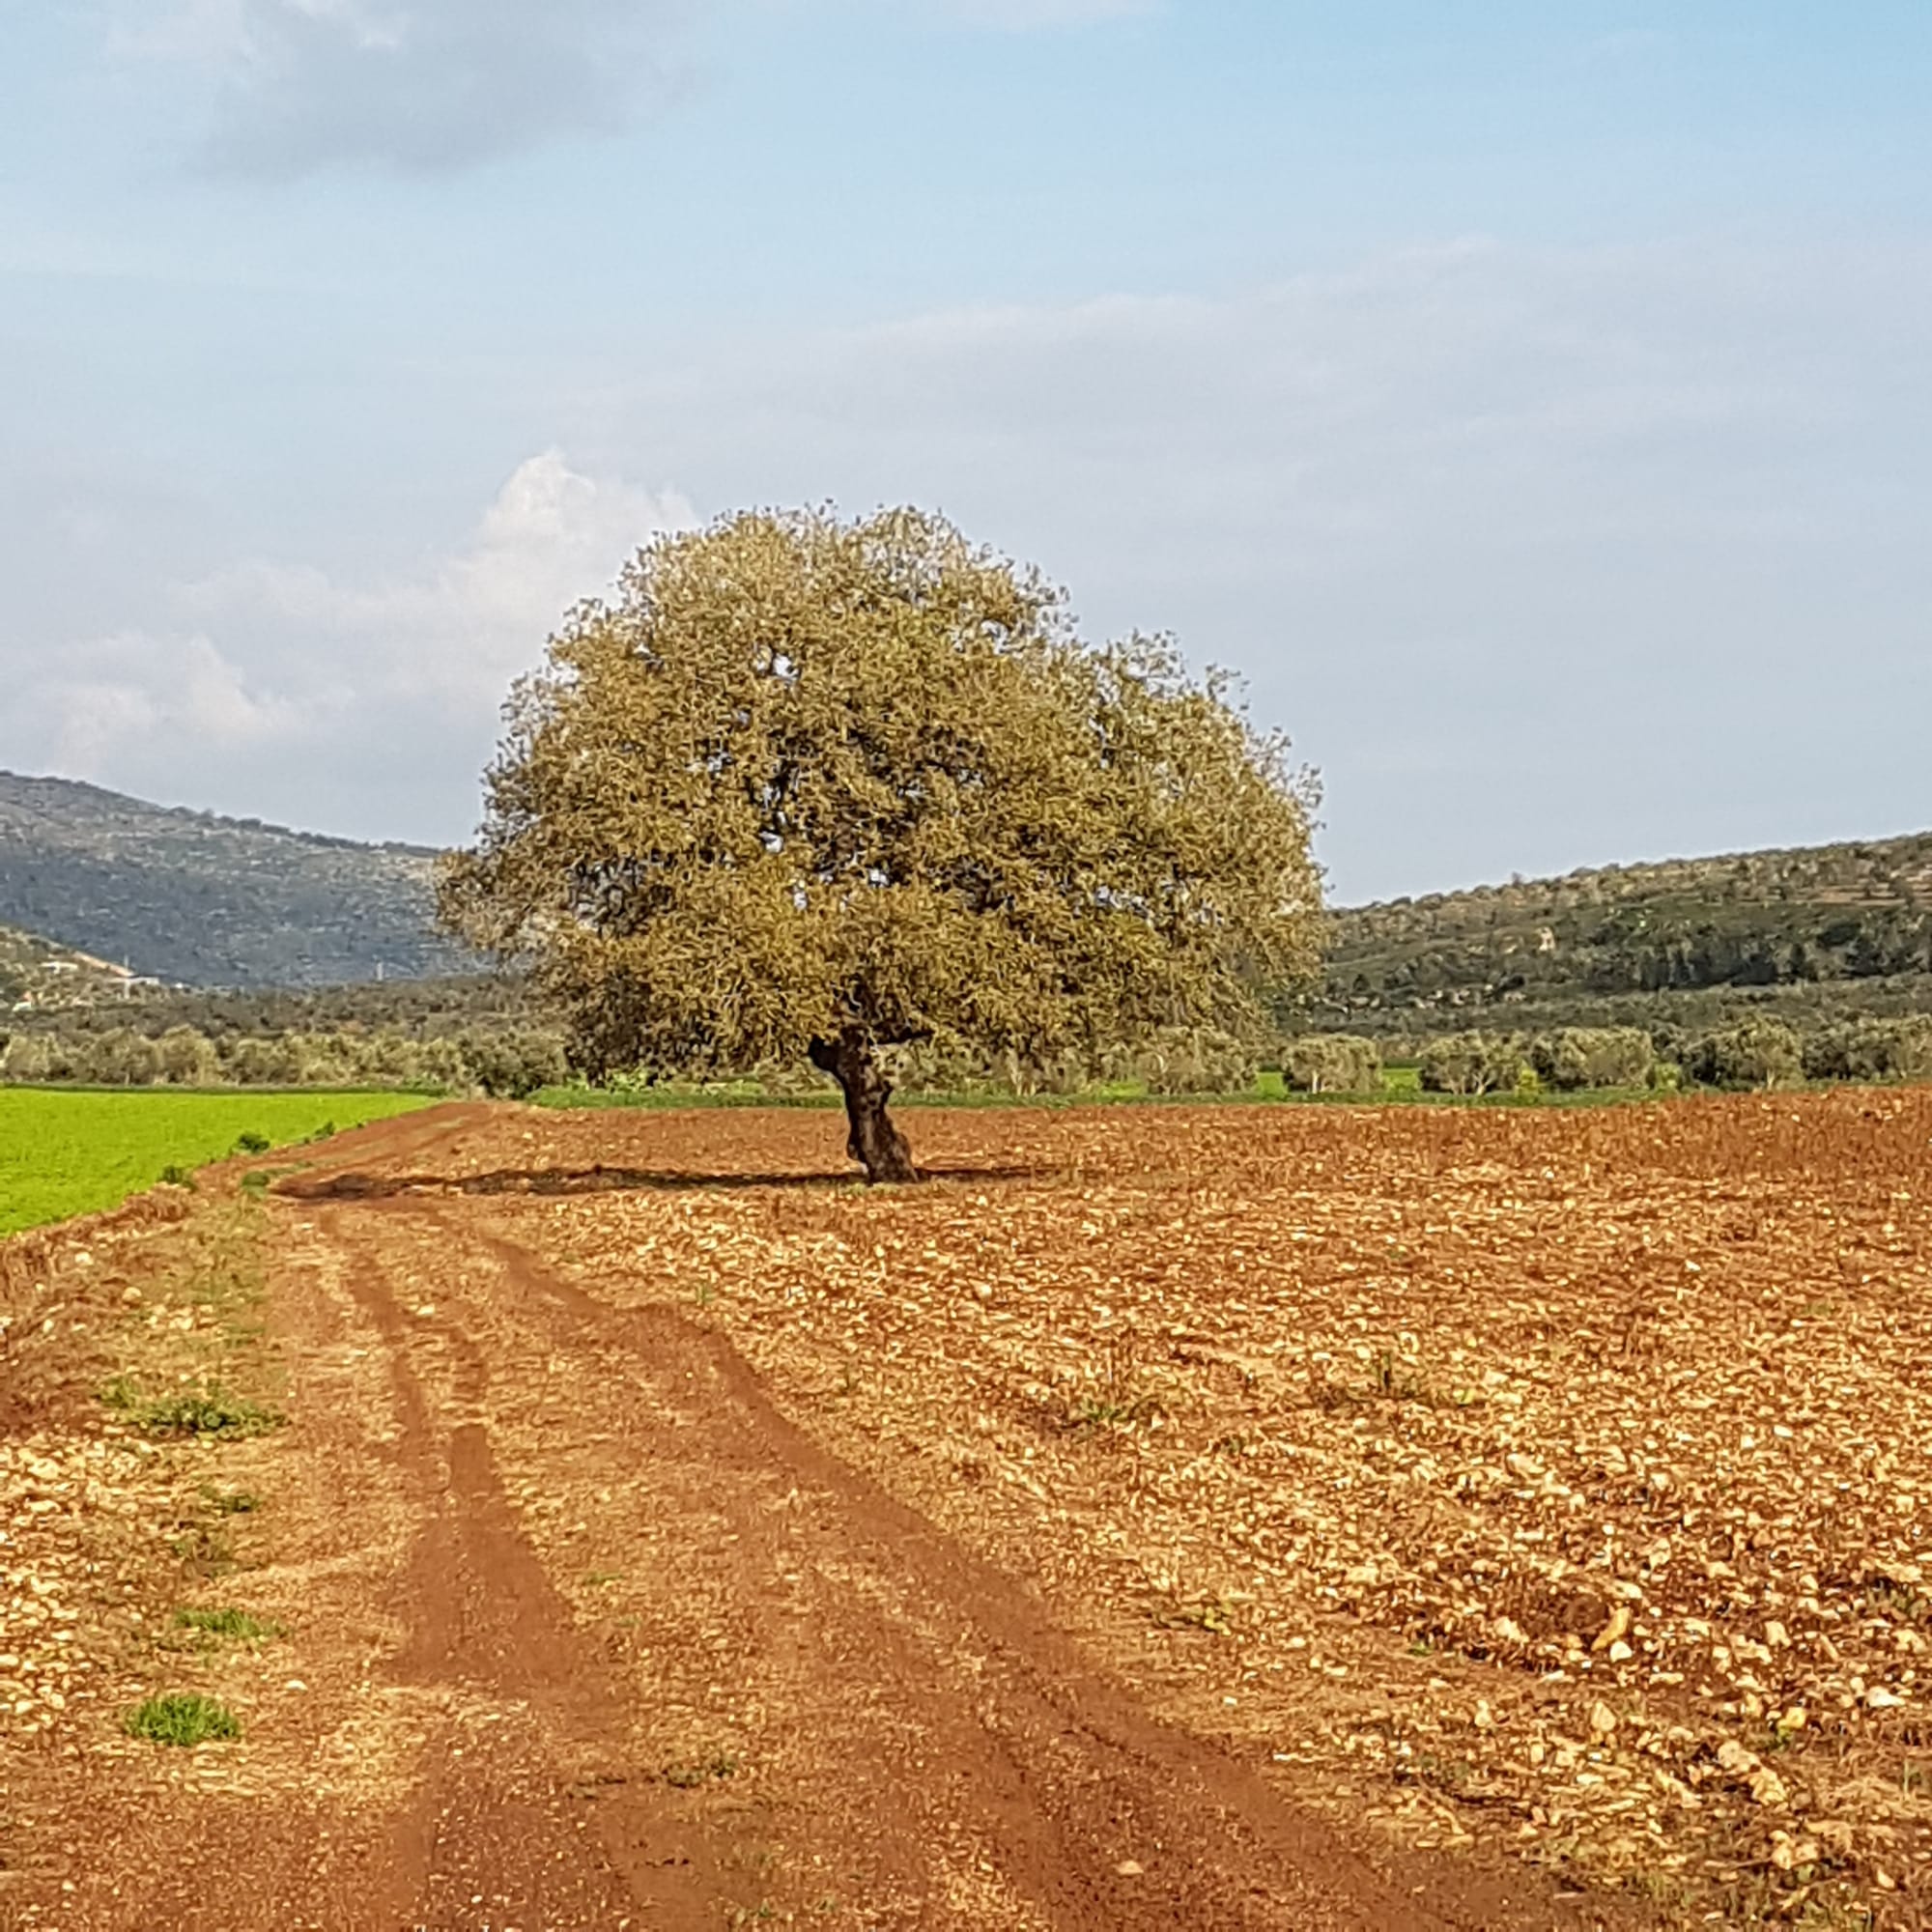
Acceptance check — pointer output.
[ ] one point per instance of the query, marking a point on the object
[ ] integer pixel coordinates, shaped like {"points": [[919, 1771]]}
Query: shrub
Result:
{"points": [[1469, 1063], [188, 1058], [513, 1066], [256, 1061], [1197, 1060], [1754, 1053], [1872, 1049], [33, 1055], [1578, 1057], [121, 1057], [1332, 1063]]}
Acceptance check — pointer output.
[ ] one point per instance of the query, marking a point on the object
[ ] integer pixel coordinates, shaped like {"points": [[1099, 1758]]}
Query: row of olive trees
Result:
{"points": [[510, 1062], [1755, 1052]]}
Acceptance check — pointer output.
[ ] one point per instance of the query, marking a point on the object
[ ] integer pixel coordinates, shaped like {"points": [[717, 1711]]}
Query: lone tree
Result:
{"points": [[811, 788]]}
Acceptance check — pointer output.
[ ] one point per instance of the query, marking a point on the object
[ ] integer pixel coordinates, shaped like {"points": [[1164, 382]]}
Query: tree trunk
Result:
{"points": [[874, 1141]]}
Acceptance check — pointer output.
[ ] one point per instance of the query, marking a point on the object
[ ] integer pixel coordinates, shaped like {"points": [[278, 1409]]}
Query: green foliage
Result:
{"points": [[1852, 923], [182, 1719], [808, 781], [1579, 1057], [229, 1622], [207, 1411], [1871, 1049], [1469, 1063], [74, 1153], [1756, 1053], [1332, 1063]]}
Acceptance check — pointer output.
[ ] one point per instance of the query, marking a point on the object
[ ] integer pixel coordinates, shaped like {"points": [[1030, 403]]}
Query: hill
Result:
{"points": [[35, 973], [191, 897], [1811, 931]]}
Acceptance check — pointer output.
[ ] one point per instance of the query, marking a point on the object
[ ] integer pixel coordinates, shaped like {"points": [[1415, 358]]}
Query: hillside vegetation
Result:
{"points": [[204, 900], [36, 971], [1813, 933]]}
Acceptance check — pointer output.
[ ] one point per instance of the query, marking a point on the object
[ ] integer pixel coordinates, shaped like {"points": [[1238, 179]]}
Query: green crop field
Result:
{"points": [[71, 1153]]}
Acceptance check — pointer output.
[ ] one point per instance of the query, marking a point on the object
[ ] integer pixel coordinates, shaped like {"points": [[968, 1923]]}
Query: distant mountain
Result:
{"points": [[189, 897], [1812, 929]]}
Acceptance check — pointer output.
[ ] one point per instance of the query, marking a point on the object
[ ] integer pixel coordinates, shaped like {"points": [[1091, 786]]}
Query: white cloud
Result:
{"points": [[415, 85], [132, 687], [280, 662]]}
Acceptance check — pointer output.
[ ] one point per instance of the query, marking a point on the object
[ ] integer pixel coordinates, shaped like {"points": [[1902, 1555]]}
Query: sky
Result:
{"points": [[1532, 402]]}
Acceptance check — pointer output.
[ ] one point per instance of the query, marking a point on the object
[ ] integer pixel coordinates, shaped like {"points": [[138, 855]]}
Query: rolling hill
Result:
{"points": [[36, 971], [1811, 930], [191, 898]]}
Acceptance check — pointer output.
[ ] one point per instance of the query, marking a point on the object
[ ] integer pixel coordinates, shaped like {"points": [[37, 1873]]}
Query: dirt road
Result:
{"points": [[816, 1707]]}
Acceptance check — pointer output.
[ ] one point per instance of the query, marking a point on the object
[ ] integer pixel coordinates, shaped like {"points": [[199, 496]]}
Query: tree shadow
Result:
{"points": [[553, 1182]]}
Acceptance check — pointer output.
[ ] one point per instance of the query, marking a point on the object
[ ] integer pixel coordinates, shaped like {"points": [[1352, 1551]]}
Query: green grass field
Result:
{"points": [[74, 1153]]}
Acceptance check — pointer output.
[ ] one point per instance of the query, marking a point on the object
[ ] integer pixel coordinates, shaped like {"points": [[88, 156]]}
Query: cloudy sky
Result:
{"points": [[1533, 400]]}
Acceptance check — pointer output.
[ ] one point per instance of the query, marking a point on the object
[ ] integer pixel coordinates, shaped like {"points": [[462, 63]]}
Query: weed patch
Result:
{"points": [[237, 1626], [211, 1411], [182, 1719]]}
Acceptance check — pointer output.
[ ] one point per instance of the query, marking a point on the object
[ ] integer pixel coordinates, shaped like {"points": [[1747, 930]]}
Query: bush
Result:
{"points": [[253, 1061], [1578, 1056], [188, 1058], [121, 1057], [1197, 1060], [515, 1065], [33, 1055], [1332, 1063], [1754, 1053], [1469, 1063], [1872, 1049]]}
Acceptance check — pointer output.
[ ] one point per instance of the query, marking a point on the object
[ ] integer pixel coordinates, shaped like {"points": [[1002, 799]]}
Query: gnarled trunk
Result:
{"points": [[874, 1141]]}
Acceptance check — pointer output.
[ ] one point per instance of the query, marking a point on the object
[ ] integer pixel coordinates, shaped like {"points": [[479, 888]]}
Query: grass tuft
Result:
{"points": [[184, 1719], [207, 1411], [228, 1623]]}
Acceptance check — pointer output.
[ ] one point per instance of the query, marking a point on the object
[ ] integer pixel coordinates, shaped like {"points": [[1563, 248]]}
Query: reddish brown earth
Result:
{"points": [[668, 1533]]}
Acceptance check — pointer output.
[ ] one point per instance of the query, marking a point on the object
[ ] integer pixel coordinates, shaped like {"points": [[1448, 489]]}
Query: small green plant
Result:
{"points": [[1118, 1399], [255, 1180], [208, 1412], [230, 1502], [1214, 1615], [184, 1719], [227, 1623], [250, 1141], [176, 1175]]}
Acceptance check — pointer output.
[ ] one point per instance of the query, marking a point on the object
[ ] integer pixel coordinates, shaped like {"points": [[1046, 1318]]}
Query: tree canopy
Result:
{"points": [[808, 788]]}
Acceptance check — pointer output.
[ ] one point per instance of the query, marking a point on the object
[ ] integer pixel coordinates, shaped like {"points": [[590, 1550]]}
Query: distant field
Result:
{"points": [[1401, 1084], [63, 1154]]}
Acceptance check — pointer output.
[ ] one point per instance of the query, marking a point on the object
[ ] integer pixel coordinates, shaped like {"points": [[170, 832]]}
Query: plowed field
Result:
{"points": [[1165, 1516]]}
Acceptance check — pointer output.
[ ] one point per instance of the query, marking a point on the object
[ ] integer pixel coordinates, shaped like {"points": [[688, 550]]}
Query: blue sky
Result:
{"points": [[1531, 400]]}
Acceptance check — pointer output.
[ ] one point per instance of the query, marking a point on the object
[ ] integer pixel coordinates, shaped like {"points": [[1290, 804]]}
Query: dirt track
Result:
{"points": [[821, 1710]]}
